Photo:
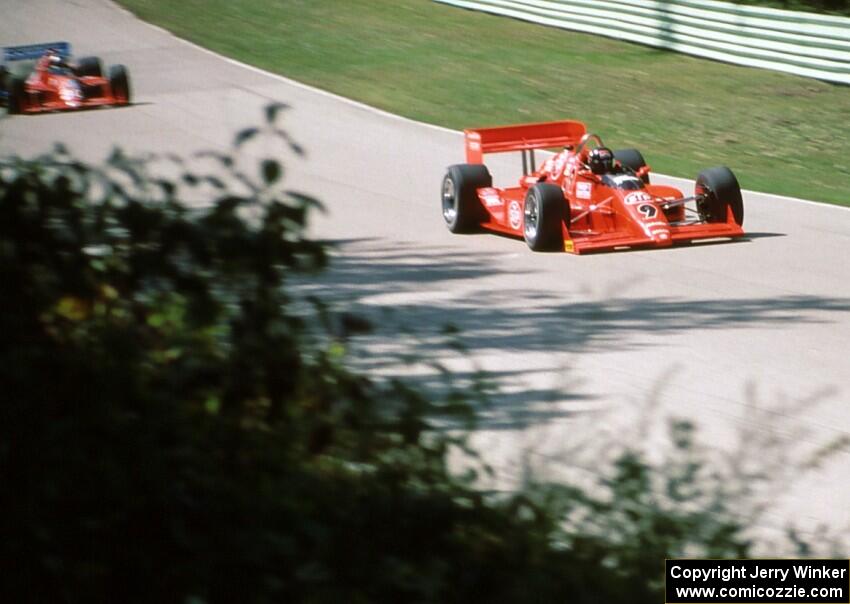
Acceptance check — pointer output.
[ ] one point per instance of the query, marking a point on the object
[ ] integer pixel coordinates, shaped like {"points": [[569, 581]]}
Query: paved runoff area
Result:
{"points": [[751, 340]]}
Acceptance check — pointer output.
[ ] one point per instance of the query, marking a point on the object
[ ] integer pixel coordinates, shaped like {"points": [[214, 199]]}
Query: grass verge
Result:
{"points": [[442, 65]]}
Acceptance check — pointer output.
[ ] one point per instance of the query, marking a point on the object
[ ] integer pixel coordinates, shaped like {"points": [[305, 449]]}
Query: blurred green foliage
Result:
{"points": [[836, 7], [176, 425]]}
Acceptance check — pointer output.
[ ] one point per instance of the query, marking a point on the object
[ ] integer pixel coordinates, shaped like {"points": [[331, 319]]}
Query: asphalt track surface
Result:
{"points": [[750, 339]]}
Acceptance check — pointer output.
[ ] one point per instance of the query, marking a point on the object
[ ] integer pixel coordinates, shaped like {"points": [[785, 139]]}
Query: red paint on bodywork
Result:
{"points": [[601, 217], [43, 91]]}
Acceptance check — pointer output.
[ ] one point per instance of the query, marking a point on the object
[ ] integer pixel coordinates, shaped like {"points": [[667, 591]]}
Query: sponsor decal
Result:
{"points": [[70, 93], [515, 215], [637, 197], [572, 167], [569, 246], [621, 179], [490, 197], [475, 145], [558, 166], [584, 190], [662, 234]]}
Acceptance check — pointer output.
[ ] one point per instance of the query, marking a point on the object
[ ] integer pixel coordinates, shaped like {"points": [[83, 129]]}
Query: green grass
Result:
{"points": [[447, 66]]}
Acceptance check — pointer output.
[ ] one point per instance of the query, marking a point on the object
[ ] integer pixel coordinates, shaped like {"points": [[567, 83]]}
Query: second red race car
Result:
{"points": [[585, 197], [41, 77]]}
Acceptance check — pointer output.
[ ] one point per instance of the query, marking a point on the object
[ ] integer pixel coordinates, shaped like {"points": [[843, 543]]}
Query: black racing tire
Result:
{"points": [[17, 93], [546, 207], [89, 66], [717, 188], [633, 160], [462, 210], [119, 83], [4, 75]]}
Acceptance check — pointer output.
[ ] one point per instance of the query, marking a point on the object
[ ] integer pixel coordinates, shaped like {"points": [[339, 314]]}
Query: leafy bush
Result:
{"points": [[177, 426]]}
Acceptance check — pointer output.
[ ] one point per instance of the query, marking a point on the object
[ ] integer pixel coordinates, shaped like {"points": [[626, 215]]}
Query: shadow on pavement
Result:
{"points": [[424, 299]]}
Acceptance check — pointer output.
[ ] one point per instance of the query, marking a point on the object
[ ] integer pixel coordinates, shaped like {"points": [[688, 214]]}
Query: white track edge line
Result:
{"points": [[381, 112]]}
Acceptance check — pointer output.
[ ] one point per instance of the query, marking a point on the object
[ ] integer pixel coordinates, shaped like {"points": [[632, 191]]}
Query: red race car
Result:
{"points": [[54, 83], [585, 197]]}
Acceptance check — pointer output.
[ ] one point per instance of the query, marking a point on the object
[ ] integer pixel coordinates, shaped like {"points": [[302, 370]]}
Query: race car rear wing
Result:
{"points": [[35, 51], [522, 137]]}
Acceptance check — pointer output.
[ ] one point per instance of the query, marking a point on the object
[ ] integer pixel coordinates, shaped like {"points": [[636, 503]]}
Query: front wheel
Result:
{"points": [[716, 190], [462, 209], [119, 83], [545, 210]]}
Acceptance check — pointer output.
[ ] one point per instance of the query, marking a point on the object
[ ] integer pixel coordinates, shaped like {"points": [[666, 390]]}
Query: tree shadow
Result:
{"points": [[763, 235], [424, 301]]}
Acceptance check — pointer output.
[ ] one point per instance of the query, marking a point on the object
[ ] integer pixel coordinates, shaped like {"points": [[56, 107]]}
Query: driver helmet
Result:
{"points": [[601, 160], [54, 58]]}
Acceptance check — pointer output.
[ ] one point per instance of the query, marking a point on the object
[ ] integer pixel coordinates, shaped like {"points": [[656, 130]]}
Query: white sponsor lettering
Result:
{"points": [[515, 215], [637, 197], [490, 197], [558, 166], [584, 190], [620, 179]]}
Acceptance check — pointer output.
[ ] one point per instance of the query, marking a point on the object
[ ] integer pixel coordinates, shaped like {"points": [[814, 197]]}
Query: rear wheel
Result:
{"points": [[3, 77], [545, 210], [633, 160], [462, 209], [89, 66], [716, 190], [17, 95]]}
